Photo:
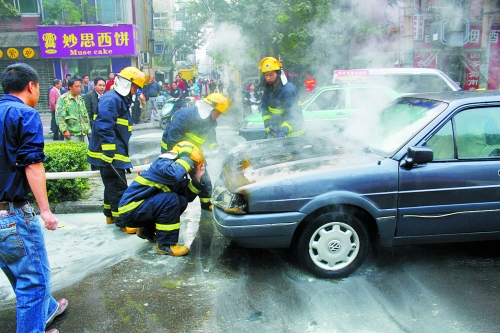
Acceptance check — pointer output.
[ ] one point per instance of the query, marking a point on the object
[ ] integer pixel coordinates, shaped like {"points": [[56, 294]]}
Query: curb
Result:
{"points": [[72, 207]]}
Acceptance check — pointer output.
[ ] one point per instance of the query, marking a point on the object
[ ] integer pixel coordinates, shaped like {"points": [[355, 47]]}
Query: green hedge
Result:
{"points": [[66, 157]]}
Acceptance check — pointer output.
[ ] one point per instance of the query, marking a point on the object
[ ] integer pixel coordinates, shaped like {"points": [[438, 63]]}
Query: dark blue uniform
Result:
{"points": [[281, 111], [187, 125], [157, 198], [111, 132]]}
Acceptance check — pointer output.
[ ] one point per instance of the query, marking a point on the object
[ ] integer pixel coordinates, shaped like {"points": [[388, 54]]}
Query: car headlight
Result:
{"points": [[231, 203]]}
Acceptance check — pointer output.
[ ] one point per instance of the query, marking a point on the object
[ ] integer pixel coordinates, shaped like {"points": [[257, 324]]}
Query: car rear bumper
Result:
{"points": [[258, 230]]}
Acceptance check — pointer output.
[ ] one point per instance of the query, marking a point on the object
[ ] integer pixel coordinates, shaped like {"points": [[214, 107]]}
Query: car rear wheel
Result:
{"points": [[333, 245]]}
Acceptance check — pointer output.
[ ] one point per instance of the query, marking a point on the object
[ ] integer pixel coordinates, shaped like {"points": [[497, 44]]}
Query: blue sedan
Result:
{"points": [[424, 169]]}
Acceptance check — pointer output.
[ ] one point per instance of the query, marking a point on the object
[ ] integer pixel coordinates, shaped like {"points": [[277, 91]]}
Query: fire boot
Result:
{"points": [[145, 233], [129, 230], [174, 250], [109, 220]]}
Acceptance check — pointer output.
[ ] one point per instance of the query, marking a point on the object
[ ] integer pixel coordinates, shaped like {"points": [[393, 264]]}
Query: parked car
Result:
{"points": [[411, 80], [424, 169], [327, 107]]}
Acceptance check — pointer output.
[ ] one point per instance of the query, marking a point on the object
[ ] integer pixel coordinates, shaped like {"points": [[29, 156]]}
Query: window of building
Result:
{"points": [[160, 21], [25, 6], [111, 11]]}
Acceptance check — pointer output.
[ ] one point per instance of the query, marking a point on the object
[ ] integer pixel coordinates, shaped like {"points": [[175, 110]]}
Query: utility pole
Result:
{"points": [[488, 8]]}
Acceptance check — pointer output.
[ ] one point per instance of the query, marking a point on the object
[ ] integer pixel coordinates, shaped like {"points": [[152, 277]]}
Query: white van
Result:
{"points": [[412, 80]]}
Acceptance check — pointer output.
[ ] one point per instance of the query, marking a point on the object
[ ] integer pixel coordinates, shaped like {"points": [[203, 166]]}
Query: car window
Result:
{"points": [[431, 83], [477, 135], [368, 98], [442, 143], [328, 100]]}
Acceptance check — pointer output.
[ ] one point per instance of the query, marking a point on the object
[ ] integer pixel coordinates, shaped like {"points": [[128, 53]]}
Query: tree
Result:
{"points": [[7, 11]]}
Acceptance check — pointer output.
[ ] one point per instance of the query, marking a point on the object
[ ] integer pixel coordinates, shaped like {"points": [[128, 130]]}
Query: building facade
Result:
{"points": [[109, 35]]}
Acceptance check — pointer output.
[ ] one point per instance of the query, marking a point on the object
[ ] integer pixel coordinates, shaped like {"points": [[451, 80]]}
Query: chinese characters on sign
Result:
{"points": [[88, 41], [473, 60], [351, 76], [418, 27]]}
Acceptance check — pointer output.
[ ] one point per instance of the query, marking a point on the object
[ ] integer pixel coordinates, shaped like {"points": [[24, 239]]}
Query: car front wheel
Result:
{"points": [[333, 245]]}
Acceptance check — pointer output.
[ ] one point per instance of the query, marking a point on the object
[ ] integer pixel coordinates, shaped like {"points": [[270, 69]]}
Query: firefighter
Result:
{"points": [[156, 198], [108, 146], [197, 124], [280, 102]]}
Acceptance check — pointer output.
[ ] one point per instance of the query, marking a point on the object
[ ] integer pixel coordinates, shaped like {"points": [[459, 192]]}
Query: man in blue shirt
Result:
{"points": [[23, 257]]}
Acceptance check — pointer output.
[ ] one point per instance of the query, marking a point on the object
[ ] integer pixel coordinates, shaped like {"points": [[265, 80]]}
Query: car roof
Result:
{"points": [[399, 70], [352, 85], [467, 96]]}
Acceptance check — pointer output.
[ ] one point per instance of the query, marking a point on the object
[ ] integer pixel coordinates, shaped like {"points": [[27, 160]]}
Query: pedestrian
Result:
{"points": [[23, 256], [280, 102], [65, 82], [86, 87], [108, 147], [220, 87], [181, 85], [310, 83], [197, 124], [184, 87], [155, 200], [92, 97], [110, 83], [136, 107], [211, 86], [54, 94], [151, 92], [231, 90], [71, 114], [176, 93], [251, 100]]}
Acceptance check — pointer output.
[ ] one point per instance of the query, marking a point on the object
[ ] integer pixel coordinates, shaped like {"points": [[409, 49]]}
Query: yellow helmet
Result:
{"points": [[187, 148], [134, 75], [268, 64], [218, 102]]}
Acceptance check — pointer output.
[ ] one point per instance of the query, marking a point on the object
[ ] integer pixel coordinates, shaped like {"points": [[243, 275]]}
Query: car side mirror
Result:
{"points": [[418, 155]]}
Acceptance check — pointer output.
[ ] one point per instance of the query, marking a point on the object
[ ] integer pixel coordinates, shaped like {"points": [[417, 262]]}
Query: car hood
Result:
{"points": [[268, 160]]}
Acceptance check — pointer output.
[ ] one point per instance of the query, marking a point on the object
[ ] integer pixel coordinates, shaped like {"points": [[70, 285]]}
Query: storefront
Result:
{"points": [[94, 50]]}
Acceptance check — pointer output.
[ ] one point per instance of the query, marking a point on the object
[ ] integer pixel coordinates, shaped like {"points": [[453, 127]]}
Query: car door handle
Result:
{"points": [[341, 113]]}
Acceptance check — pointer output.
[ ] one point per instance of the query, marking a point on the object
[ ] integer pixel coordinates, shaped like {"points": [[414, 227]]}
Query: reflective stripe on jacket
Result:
{"points": [[187, 125], [111, 131], [281, 110]]}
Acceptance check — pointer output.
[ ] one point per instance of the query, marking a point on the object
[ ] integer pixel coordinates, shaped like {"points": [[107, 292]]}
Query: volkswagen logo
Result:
{"points": [[334, 246]]}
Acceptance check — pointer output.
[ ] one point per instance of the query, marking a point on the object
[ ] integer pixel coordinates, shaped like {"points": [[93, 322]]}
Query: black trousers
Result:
{"points": [[115, 184], [56, 134]]}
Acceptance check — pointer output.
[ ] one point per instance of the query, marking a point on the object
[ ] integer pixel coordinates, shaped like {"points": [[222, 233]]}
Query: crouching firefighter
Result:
{"points": [[197, 124], [156, 198]]}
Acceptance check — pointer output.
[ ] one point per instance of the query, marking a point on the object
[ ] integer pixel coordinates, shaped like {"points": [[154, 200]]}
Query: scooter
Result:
{"points": [[168, 110]]}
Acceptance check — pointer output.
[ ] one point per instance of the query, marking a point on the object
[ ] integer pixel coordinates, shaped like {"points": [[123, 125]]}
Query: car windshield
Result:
{"points": [[387, 129]]}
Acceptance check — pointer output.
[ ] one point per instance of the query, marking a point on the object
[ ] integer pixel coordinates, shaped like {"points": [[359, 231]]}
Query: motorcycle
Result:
{"points": [[168, 110]]}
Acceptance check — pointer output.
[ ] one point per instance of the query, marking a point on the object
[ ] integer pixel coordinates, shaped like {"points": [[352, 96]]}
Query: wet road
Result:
{"points": [[117, 283]]}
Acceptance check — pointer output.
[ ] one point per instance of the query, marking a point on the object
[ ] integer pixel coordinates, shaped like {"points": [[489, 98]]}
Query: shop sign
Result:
{"points": [[418, 27], [473, 61], [425, 59], [88, 41]]}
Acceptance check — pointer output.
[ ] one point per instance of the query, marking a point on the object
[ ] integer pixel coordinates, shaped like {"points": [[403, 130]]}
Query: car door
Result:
{"points": [[459, 191], [325, 110]]}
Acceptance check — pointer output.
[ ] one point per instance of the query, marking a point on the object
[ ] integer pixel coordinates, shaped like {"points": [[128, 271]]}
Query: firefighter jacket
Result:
{"points": [[281, 111], [111, 131], [187, 125], [163, 174], [71, 115]]}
